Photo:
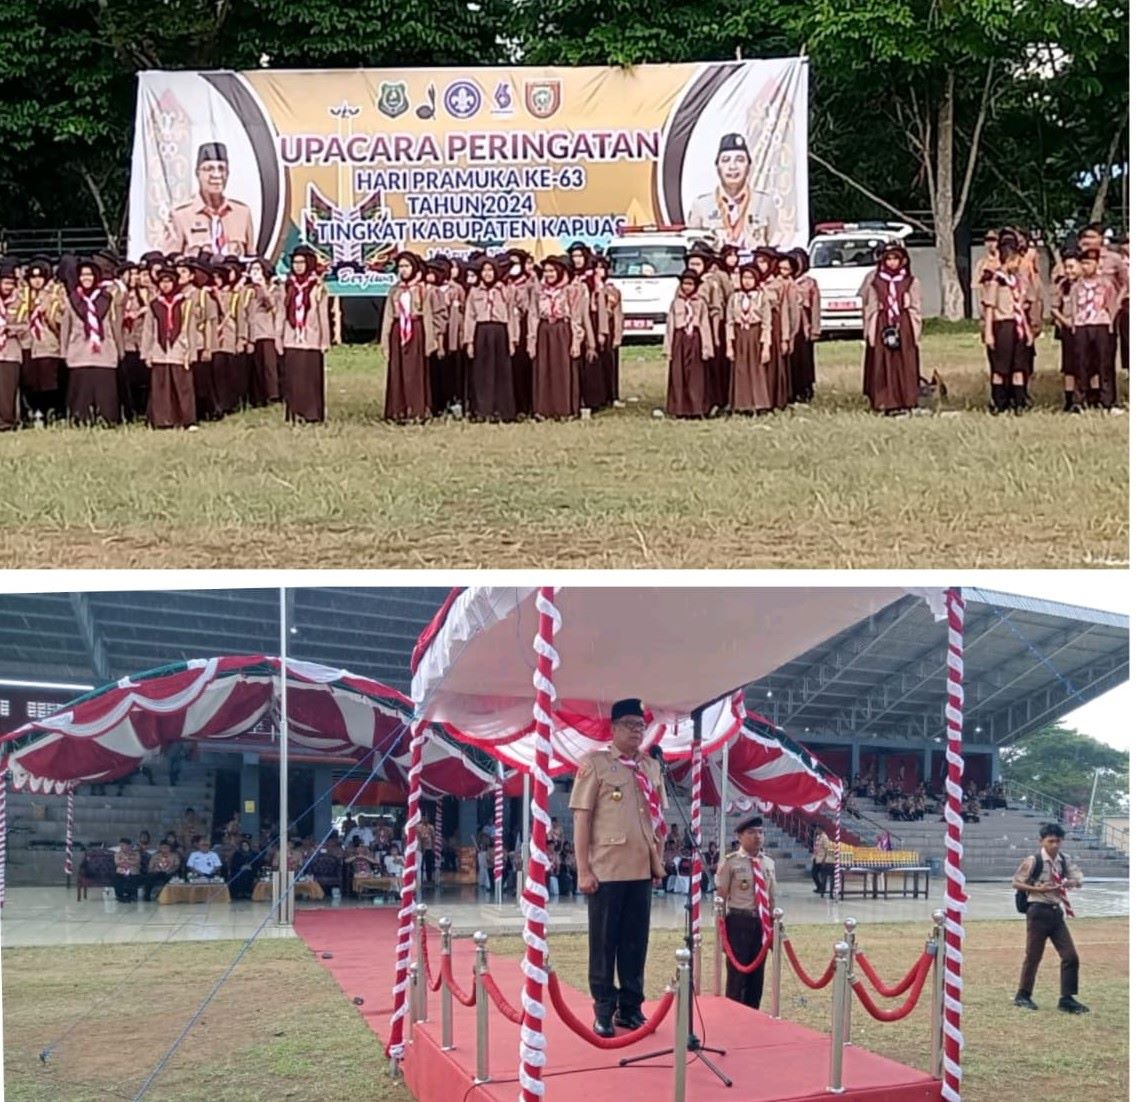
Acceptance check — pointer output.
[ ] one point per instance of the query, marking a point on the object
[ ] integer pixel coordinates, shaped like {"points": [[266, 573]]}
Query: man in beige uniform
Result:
{"points": [[618, 826], [734, 212], [735, 885], [210, 219]]}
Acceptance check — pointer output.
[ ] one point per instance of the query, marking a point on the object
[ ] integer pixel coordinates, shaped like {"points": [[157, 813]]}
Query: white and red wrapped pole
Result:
{"points": [[3, 831], [398, 1035], [838, 845], [955, 898], [438, 839], [69, 840], [535, 895], [499, 832], [695, 886]]}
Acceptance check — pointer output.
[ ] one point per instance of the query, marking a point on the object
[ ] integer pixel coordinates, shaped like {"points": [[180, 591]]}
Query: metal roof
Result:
{"points": [[1027, 661]]}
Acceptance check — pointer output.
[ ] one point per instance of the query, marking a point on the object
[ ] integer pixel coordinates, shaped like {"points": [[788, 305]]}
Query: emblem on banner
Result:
{"points": [[392, 100], [543, 97], [503, 99], [462, 99]]}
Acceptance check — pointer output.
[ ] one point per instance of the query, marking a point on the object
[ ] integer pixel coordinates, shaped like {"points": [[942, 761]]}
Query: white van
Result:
{"points": [[646, 266], [842, 254]]}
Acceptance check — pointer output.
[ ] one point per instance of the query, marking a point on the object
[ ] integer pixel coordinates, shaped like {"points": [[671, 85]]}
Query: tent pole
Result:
{"points": [[283, 900], [525, 835], [724, 784], [499, 836]]}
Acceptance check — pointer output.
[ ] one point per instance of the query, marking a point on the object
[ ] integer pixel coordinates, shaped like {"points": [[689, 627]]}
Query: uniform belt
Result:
{"points": [[752, 913], [1039, 903]]}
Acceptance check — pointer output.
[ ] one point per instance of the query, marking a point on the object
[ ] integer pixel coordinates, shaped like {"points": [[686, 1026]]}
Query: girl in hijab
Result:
{"points": [[303, 338], [892, 313], [407, 334], [555, 342], [90, 338], [749, 345], [490, 333], [689, 348]]}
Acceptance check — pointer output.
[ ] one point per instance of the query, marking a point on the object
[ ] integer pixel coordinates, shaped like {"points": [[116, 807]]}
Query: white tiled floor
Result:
{"points": [[51, 916]]}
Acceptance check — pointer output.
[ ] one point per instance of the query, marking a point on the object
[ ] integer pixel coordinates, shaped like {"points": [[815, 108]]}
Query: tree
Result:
{"points": [[1061, 762]]}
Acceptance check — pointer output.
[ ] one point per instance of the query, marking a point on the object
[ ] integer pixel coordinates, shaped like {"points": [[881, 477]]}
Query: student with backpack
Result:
{"points": [[1041, 884]]}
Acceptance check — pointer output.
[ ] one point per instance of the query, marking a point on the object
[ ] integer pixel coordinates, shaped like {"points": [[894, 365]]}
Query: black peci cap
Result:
{"points": [[747, 824], [212, 151], [733, 143], [630, 706]]}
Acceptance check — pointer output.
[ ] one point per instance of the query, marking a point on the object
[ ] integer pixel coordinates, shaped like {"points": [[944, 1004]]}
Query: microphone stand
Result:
{"points": [[695, 1044]]}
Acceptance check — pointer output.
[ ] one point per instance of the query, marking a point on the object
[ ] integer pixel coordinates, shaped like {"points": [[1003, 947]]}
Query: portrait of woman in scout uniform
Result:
{"points": [[734, 212]]}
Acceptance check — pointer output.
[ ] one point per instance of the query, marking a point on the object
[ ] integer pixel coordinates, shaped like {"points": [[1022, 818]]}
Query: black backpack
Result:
{"points": [[1036, 869]]}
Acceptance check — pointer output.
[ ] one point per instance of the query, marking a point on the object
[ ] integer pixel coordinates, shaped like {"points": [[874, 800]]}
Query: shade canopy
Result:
{"points": [[110, 732], [675, 648]]}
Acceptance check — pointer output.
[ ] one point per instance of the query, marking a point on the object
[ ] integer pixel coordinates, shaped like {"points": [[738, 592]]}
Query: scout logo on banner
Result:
{"points": [[362, 163]]}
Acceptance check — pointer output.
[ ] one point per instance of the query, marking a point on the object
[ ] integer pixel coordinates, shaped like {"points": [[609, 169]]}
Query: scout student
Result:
{"points": [[90, 340], [169, 335], [133, 377], [13, 322], [490, 333], [745, 881], [1122, 318], [775, 291], [210, 220], [989, 262], [892, 319], [454, 364], [1007, 298], [608, 307], [303, 338], [689, 347], [436, 273], [701, 259], [1095, 306], [555, 343], [208, 396], [749, 345], [1062, 314], [522, 286], [809, 330], [43, 376], [262, 308], [580, 261], [734, 212], [406, 334], [232, 331]]}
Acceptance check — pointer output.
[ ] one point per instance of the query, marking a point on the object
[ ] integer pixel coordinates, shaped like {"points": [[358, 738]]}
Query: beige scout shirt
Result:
{"points": [[735, 881], [686, 312], [999, 296], [262, 304], [623, 845], [79, 350], [490, 304], [745, 309], [1023, 876], [745, 223], [194, 225], [12, 326], [183, 349], [415, 298]]}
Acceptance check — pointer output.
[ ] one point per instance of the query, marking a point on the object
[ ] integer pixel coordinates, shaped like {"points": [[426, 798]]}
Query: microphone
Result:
{"points": [[654, 751]]}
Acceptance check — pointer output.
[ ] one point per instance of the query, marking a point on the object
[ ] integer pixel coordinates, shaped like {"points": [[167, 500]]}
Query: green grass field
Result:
{"points": [[828, 486], [281, 1027]]}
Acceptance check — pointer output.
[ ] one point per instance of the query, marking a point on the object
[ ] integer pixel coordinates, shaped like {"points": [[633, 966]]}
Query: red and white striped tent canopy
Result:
{"points": [[108, 733]]}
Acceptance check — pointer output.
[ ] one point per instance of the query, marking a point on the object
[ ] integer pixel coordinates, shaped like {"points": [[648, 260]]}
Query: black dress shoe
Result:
{"points": [[1026, 1002], [1070, 1005], [629, 1019], [603, 1029]]}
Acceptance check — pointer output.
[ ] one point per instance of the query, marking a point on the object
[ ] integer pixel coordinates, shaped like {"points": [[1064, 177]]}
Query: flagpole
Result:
{"points": [[282, 829]]}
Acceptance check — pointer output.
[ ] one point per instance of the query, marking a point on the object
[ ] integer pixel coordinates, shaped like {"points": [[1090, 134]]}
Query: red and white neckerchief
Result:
{"points": [[892, 299], [300, 301], [650, 794], [1057, 883], [217, 238], [734, 215], [1013, 285], [3, 320], [166, 328], [1088, 300], [404, 300], [551, 302], [762, 898], [688, 303], [749, 315], [92, 324]]}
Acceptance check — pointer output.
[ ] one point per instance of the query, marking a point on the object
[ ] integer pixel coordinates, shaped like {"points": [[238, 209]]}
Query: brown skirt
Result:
{"points": [[304, 384], [894, 375], [490, 383], [172, 404], [523, 369], [778, 370], [750, 387], [801, 369], [719, 370], [556, 393], [408, 378], [9, 395], [93, 395], [616, 374], [225, 371], [206, 394], [41, 373], [594, 387], [687, 376], [264, 379]]}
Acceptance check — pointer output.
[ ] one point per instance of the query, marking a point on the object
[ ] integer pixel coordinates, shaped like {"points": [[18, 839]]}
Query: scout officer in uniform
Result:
{"points": [[745, 881], [735, 213], [749, 345], [133, 380], [210, 220], [43, 376], [809, 332], [618, 826], [522, 284], [12, 325], [702, 261], [989, 262], [609, 308], [169, 335]]}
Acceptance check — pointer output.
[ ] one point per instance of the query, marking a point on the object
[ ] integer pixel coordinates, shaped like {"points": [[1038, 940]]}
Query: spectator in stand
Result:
{"points": [[203, 861], [163, 865], [349, 826], [233, 830], [971, 813], [190, 828], [393, 862], [333, 845], [553, 874], [999, 799], [568, 871], [362, 864], [244, 868], [128, 874], [556, 834]]}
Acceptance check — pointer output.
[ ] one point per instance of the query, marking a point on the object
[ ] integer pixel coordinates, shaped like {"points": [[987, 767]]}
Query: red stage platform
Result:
{"points": [[769, 1060]]}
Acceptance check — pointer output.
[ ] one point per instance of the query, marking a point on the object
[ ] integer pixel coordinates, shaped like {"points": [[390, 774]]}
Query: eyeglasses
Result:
{"points": [[633, 724]]}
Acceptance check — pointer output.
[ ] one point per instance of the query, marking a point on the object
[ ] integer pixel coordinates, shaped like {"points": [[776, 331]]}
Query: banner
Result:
{"points": [[363, 163]]}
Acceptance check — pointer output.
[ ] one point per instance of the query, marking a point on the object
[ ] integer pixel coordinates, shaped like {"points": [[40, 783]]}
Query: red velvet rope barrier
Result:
{"points": [[433, 982], [746, 969], [879, 985], [586, 1032], [817, 984], [453, 988], [902, 1011], [499, 1000]]}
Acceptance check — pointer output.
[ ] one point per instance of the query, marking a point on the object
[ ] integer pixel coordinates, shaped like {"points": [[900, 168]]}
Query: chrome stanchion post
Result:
{"points": [[838, 1015], [680, 1053], [444, 990], [719, 913], [413, 978], [775, 957], [851, 940], [420, 927], [482, 1011], [936, 945]]}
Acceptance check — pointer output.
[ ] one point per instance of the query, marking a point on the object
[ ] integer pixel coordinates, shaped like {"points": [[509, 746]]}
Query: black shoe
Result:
{"points": [[603, 1029], [1070, 1005], [1026, 1002], [629, 1019]]}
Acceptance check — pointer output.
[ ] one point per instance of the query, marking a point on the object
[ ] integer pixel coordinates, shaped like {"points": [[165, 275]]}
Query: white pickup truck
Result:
{"points": [[842, 254], [646, 266]]}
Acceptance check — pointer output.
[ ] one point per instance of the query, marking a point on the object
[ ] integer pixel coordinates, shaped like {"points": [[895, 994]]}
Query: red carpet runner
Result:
{"points": [[770, 1061]]}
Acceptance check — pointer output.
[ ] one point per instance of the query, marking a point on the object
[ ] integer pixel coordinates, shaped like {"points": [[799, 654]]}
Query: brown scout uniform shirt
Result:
{"points": [[75, 345], [811, 302], [735, 881], [745, 309], [183, 350], [315, 335], [262, 305], [1000, 298], [910, 301], [493, 304], [44, 309], [421, 307], [191, 227], [610, 314], [229, 321], [560, 305], [1023, 875], [678, 319], [12, 332], [624, 846]]}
